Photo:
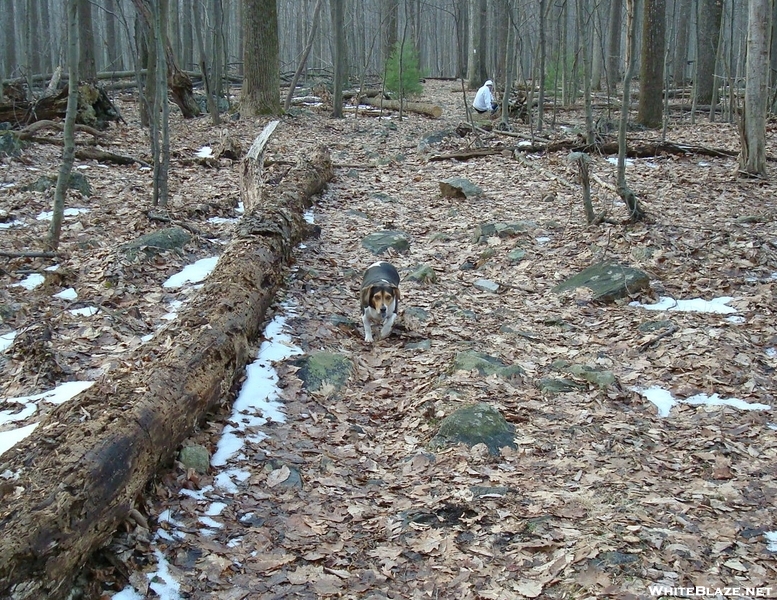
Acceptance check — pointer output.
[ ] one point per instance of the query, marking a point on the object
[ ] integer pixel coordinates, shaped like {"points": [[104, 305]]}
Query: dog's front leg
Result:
{"points": [[367, 328], [387, 325]]}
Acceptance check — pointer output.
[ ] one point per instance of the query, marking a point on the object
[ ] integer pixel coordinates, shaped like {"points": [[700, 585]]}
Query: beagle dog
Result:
{"points": [[379, 298]]}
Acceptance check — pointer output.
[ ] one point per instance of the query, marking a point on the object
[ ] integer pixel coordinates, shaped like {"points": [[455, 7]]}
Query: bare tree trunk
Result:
{"points": [[68, 152], [635, 210], [541, 66], [651, 76], [261, 82], [68, 502], [708, 33], [752, 157], [160, 117], [682, 22], [613, 62], [87, 66], [338, 51], [584, 23]]}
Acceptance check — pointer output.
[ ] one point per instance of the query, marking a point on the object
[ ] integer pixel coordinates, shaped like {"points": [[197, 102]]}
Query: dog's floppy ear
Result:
{"points": [[397, 295], [366, 293]]}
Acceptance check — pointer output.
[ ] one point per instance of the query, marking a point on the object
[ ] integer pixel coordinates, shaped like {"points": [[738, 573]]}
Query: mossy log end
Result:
{"points": [[83, 468]]}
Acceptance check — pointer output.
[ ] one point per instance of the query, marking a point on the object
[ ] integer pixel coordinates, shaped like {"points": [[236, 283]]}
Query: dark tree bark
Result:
{"points": [[261, 79], [391, 8], [10, 41], [708, 35], [338, 50], [683, 25], [68, 502], [651, 74], [87, 65], [613, 62]]}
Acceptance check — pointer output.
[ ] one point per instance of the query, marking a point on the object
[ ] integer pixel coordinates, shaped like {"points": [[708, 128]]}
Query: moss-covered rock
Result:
{"points": [[324, 367], [380, 241], [170, 238], [476, 424], [195, 457], [470, 360], [77, 181], [607, 281], [423, 274], [550, 385]]}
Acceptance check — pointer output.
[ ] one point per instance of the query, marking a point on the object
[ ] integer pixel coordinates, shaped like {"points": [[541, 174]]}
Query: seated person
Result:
{"points": [[484, 99]]}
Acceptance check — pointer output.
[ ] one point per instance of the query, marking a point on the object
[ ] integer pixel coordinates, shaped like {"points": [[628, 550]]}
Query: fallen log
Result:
{"points": [[424, 108], [79, 474]]}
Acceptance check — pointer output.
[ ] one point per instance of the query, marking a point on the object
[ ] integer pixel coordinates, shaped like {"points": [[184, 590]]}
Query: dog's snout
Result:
{"points": [[383, 310]]}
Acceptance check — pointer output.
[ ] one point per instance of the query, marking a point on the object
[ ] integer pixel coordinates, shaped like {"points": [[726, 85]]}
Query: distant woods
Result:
{"points": [[697, 42]]}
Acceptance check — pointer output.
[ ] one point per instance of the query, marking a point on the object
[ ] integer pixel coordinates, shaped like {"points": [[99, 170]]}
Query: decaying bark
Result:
{"points": [[95, 109], [423, 108], [78, 476]]}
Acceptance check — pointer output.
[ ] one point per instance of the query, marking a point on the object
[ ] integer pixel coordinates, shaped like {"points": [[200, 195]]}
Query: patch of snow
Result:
{"points": [[9, 224], [162, 581], [771, 352], [771, 540], [715, 400], [69, 212], [205, 152], [87, 311], [68, 294], [197, 494], [6, 340], [308, 216], [543, 240], [664, 400], [8, 439], [30, 282], [215, 509], [717, 305], [240, 208], [222, 221], [208, 522], [193, 273], [736, 320], [614, 161], [703, 163]]}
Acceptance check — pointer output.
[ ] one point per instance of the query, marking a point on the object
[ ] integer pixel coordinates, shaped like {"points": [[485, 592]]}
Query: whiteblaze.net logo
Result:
{"points": [[702, 591]]}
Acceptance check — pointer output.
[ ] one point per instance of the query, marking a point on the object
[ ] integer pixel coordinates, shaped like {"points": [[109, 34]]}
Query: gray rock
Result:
{"points": [[422, 345], [324, 367], [417, 313], [10, 144], [607, 281], [380, 241], [486, 286], [651, 326], [77, 181], [470, 360], [503, 230], [516, 255], [457, 187], [195, 457], [170, 238], [476, 424], [423, 274]]}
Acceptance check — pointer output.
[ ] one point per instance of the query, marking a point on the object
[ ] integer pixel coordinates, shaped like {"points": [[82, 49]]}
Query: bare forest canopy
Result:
{"points": [[703, 41]]}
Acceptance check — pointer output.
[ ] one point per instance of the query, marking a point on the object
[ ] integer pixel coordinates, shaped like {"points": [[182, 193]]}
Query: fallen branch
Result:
{"points": [[102, 156]]}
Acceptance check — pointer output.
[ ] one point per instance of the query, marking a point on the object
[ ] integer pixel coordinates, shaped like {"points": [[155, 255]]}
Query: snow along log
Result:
{"points": [[79, 474]]}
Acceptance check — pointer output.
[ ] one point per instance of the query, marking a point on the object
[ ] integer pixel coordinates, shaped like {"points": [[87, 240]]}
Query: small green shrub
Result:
{"points": [[404, 79]]}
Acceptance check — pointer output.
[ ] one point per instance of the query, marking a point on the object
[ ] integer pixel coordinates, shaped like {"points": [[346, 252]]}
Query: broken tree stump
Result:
{"points": [[78, 475], [95, 109]]}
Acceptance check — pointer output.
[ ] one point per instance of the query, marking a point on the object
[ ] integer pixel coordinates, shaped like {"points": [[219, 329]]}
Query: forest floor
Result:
{"points": [[602, 496]]}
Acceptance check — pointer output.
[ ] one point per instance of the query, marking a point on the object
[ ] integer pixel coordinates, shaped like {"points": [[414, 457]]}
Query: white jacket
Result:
{"points": [[484, 98]]}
